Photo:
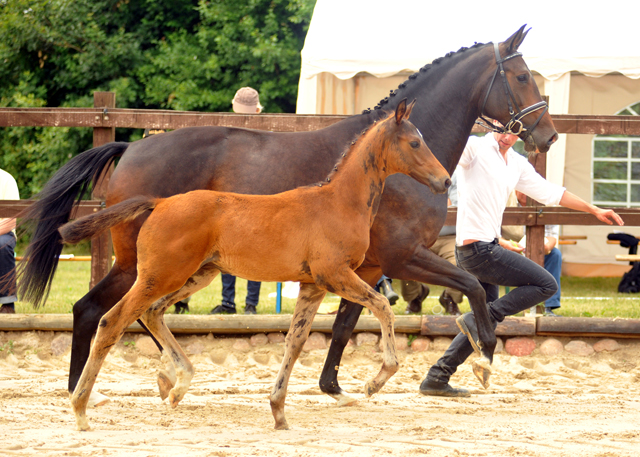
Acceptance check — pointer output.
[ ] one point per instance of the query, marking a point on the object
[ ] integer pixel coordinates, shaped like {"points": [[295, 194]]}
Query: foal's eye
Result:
{"points": [[415, 144]]}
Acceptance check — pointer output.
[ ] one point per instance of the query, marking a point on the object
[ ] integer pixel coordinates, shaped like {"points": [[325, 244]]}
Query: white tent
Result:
{"points": [[586, 57]]}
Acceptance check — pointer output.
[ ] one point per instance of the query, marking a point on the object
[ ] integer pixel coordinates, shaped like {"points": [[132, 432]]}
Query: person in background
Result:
{"points": [[488, 172], [414, 292], [8, 191], [246, 101], [385, 288], [552, 260]]}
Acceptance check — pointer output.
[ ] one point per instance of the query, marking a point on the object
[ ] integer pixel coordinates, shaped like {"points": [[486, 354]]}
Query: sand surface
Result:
{"points": [[565, 405]]}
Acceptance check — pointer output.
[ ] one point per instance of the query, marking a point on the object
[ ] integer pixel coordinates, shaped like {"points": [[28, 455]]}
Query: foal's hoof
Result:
{"points": [[83, 425], [282, 425], [164, 384], [371, 388], [174, 399], [482, 369]]}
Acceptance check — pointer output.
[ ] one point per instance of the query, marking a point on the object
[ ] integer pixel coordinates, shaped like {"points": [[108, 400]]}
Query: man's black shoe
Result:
{"points": [[467, 325], [450, 306], [222, 309], [250, 309], [415, 305], [438, 389]]}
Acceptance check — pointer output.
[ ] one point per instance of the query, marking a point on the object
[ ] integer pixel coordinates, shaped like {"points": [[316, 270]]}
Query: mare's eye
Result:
{"points": [[415, 144], [523, 78]]}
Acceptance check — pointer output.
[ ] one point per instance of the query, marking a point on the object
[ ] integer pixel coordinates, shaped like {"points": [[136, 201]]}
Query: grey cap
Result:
{"points": [[247, 100]]}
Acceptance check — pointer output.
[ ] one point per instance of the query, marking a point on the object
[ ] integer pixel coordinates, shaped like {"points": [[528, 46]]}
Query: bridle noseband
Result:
{"points": [[515, 125]]}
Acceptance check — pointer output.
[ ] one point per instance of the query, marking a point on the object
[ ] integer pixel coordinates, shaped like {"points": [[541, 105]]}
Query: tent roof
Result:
{"points": [[384, 37]]}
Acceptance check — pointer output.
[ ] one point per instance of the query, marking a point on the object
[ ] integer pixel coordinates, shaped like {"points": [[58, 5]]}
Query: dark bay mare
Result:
{"points": [[489, 80], [316, 235]]}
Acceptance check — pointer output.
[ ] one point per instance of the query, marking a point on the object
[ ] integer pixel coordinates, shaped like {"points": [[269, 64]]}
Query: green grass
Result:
{"points": [[72, 282]]}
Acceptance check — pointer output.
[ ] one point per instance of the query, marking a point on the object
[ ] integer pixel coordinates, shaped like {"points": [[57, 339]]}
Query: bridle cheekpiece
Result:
{"points": [[515, 125]]}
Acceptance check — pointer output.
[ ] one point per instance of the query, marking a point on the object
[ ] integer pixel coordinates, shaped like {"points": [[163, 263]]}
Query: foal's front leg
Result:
{"points": [[350, 287], [309, 300]]}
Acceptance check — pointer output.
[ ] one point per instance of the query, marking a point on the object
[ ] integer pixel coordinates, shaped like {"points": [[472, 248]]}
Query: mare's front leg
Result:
{"points": [[346, 320], [425, 266], [309, 300], [349, 286]]}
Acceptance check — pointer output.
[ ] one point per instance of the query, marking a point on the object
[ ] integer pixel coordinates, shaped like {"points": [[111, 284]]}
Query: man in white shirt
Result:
{"points": [[488, 171], [8, 191]]}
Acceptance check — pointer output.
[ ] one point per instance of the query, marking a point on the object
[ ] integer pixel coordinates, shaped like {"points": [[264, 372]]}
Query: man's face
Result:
{"points": [[505, 140]]}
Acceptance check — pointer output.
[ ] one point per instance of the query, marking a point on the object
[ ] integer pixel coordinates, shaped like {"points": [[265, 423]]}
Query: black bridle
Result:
{"points": [[515, 125]]}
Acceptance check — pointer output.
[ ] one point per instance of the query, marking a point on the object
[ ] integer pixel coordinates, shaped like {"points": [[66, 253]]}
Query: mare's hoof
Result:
{"points": [[164, 385], [467, 325], [345, 400], [482, 370], [97, 399]]}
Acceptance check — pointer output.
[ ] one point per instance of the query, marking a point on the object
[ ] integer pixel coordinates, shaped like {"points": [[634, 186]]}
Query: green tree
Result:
{"points": [[176, 54]]}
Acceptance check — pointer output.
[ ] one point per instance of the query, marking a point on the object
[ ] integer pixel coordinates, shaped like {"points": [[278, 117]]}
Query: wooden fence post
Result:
{"points": [[101, 247], [535, 233]]}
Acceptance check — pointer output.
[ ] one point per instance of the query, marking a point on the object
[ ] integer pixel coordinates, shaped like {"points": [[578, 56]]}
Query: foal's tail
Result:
{"points": [[52, 209], [94, 224]]}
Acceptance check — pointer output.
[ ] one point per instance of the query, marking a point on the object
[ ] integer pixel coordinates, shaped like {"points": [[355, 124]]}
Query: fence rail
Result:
{"points": [[101, 117], [104, 118]]}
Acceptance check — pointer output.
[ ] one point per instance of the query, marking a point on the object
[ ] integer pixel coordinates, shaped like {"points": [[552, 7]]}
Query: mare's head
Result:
{"points": [[410, 154], [513, 97]]}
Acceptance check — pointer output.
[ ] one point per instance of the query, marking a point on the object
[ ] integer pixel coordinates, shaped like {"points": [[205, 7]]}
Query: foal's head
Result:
{"points": [[409, 154]]}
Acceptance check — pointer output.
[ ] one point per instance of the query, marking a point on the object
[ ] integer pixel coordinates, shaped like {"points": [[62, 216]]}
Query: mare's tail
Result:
{"points": [[96, 223], [52, 209]]}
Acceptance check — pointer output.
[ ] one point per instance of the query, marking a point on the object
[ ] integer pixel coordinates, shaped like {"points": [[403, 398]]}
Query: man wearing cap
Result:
{"points": [[246, 101]]}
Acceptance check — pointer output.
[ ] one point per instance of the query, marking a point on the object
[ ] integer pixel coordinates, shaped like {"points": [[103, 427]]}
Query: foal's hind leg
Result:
{"points": [[112, 326], [176, 386], [350, 287], [307, 305]]}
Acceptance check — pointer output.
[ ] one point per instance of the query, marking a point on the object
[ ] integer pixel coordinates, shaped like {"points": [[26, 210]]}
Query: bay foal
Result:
{"points": [[316, 235]]}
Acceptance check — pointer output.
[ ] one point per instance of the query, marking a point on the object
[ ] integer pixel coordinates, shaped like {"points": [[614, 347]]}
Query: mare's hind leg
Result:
{"points": [[176, 383], [350, 287], [309, 300]]}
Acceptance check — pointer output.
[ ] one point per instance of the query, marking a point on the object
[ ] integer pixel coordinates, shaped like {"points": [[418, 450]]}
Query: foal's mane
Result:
{"points": [[380, 116], [421, 73]]}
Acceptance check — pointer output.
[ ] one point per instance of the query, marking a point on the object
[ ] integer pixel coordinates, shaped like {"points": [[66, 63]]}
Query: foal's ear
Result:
{"points": [[515, 40], [401, 110]]}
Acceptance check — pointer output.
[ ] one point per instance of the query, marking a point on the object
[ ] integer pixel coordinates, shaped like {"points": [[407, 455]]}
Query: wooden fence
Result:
{"points": [[104, 117]]}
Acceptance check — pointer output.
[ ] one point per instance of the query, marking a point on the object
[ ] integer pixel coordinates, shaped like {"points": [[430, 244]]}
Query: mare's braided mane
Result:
{"points": [[414, 76]]}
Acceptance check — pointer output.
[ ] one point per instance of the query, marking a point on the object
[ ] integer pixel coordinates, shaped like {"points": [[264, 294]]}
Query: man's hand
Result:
{"points": [[511, 245], [608, 216]]}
